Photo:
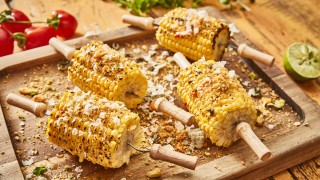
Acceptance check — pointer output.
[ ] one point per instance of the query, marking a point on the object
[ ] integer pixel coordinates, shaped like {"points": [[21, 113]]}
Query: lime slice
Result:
{"points": [[302, 62]]}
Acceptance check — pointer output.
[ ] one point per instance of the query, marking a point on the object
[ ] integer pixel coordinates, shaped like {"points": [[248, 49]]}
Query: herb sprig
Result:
{"points": [[139, 7], [233, 3]]}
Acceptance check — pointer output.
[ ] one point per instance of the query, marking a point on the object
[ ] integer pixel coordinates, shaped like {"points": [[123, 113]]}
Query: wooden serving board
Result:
{"points": [[289, 145]]}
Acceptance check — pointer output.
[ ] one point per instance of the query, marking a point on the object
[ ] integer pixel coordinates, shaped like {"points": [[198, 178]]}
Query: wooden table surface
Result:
{"points": [[271, 25]]}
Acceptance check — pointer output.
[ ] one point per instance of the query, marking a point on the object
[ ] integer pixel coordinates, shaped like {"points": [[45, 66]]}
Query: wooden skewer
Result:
{"points": [[166, 153], [163, 105], [64, 49], [36, 108], [147, 23], [243, 129], [248, 52], [157, 151]]}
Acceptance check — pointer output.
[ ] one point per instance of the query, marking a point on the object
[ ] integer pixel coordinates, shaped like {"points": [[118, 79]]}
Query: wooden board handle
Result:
{"points": [[64, 49], [163, 105], [166, 153], [145, 23], [181, 60], [245, 132], [245, 51], [36, 108]]}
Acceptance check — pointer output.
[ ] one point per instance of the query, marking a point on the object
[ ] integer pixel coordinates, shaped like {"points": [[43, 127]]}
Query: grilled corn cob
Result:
{"points": [[94, 128], [193, 33], [217, 99], [98, 68]]}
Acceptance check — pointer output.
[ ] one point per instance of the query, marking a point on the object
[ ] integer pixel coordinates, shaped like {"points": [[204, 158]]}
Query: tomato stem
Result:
{"points": [[6, 29], [25, 22]]}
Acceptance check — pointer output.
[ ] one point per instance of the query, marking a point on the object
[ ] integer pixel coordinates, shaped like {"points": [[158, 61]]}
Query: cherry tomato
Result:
{"points": [[39, 36], [6, 42], [17, 16], [67, 25]]}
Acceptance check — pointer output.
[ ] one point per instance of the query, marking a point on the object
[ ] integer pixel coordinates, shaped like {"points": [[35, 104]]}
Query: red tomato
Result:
{"points": [[39, 36], [6, 42], [67, 25], [17, 16]]}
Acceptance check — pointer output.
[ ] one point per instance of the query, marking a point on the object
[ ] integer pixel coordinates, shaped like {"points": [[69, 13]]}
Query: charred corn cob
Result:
{"points": [[94, 128], [193, 33], [217, 99], [98, 68]]}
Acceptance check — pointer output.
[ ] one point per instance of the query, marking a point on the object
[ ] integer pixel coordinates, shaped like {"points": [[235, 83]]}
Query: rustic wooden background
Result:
{"points": [[272, 25]]}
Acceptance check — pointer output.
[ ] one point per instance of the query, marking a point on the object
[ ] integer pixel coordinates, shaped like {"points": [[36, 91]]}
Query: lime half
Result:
{"points": [[302, 62]]}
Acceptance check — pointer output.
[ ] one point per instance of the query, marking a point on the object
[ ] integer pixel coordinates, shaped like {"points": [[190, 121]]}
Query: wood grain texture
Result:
{"points": [[271, 26], [9, 166]]}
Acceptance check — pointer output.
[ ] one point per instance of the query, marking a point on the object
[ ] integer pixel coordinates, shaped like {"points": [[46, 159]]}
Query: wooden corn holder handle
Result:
{"points": [[164, 153], [245, 132], [163, 105], [181, 60], [245, 51], [64, 49], [145, 23], [36, 108]]}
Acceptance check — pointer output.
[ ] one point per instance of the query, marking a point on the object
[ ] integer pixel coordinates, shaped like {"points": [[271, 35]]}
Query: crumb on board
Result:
{"points": [[154, 173]]}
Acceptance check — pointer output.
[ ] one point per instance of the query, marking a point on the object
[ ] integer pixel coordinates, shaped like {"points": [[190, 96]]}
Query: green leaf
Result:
{"points": [[39, 170], [279, 103], [5, 16], [142, 6], [20, 38], [33, 93], [196, 3], [224, 1], [54, 22], [252, 76]]}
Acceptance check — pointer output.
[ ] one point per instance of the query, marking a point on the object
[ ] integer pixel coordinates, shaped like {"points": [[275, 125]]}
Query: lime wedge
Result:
{"points": [[302, 62]]}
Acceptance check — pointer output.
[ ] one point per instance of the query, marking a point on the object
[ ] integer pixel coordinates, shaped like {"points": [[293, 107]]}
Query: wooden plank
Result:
{"points": [[10, 170], [9, 166]]}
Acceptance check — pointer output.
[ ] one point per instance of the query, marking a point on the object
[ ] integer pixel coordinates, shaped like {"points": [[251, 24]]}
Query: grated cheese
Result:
{"points": [[116, 120], [165, 53], [232, 73], [169, 77], [179, 126], [157, 68], [233, 29], [27, 162], [246, 83], [74, 131]]}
